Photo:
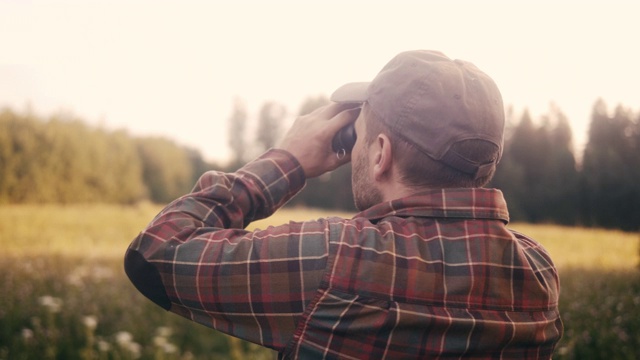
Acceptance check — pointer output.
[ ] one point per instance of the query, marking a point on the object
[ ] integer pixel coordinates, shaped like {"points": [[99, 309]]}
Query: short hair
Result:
{"points": [[418, 170]]}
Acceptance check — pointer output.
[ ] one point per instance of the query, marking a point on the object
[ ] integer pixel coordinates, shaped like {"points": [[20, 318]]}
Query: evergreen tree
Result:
{"points": [[611, 170], [270, 125], [237, 130], [537, 172], [562, 178], [513, 169]]}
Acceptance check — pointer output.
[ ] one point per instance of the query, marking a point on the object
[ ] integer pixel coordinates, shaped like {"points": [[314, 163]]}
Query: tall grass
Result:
{"points": [[64, 295]]}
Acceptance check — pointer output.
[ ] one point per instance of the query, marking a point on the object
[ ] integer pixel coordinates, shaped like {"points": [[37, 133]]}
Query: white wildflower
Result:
{"points": [[90, 322], [134, 349], [123, 338], [170, 348], [52, 304], [160, 341], [164, 331], [103, 346], [27, 334], [77, 276]]}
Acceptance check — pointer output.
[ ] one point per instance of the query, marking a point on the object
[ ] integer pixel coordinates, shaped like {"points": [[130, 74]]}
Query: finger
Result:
{"points": [[341, 120], [334, 160], [330, 110], [346, 117]]}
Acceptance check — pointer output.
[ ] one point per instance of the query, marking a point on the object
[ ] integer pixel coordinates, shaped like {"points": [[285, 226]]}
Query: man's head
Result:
{"points": [[444, 118]]}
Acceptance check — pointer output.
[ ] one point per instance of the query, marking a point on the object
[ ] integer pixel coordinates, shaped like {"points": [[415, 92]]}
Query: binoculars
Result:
{"points": [[344, 140]]}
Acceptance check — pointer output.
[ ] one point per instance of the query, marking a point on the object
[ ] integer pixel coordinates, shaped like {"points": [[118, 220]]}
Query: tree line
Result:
{"points": [[544, 183], [63, 160], [542, 178]]}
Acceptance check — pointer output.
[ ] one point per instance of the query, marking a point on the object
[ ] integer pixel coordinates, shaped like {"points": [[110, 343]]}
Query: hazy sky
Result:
{"points": [[173, 68]]}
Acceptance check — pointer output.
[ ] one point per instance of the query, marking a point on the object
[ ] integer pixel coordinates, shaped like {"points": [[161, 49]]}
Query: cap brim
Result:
{"points": [[351, 93]]}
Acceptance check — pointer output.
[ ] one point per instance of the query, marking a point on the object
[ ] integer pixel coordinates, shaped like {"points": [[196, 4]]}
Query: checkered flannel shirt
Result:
{"points": [[436, 275]]}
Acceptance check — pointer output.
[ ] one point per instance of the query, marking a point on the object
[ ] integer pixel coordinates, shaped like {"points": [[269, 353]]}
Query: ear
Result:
{"points": [[383, 158]]}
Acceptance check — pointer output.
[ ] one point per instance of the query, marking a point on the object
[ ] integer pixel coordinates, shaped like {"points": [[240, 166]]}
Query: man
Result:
{"points": [[427, 269]]}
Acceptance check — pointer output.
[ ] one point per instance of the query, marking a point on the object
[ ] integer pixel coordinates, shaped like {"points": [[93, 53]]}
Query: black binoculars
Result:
{"points": [[344, 140]]}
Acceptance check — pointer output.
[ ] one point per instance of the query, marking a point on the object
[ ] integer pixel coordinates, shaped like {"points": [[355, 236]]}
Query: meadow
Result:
{"points": [[64, 294]]}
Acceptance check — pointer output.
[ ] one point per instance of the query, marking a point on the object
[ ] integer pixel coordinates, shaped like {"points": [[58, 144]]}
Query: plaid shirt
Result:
{"points": [[436, 275]]}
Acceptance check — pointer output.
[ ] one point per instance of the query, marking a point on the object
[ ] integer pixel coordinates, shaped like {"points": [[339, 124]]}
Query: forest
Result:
{"points": [[61, 159]]}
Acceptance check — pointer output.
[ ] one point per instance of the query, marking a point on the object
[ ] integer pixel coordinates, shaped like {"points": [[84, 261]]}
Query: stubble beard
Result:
{"points": [[365, 195]]}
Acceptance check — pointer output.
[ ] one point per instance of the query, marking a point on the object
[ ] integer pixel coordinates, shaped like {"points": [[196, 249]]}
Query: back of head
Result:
{"points": [[445, 109], [421, 171]]}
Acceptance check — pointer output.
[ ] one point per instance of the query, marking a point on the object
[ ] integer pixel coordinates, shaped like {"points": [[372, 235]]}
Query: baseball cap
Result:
{"points": [[433, 102]]}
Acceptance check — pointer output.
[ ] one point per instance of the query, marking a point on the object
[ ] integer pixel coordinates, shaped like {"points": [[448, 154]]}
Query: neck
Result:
{"points": [[395, 189]]}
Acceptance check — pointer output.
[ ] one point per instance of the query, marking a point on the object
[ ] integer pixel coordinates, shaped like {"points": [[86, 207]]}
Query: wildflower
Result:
{"points": [[160, 341], [164, 331], [125, 341], [77, 276], [170, 348], [52, 304], [103, 346], [27, 334], [123, 338], [134, 349], [90, 322]]}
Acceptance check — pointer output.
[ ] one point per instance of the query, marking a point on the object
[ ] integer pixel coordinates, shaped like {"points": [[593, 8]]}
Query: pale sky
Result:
{"points": [[173, 68]]}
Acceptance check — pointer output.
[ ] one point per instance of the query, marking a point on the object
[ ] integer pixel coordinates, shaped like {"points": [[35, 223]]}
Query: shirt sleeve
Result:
{"points": [[196, 259]]}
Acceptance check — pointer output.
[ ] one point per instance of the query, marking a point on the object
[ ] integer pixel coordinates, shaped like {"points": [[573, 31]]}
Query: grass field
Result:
{"points": [[64, 295]]}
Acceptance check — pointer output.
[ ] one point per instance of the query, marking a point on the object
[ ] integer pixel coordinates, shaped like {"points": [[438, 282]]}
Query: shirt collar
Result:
{"points": [[463, 203]]}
